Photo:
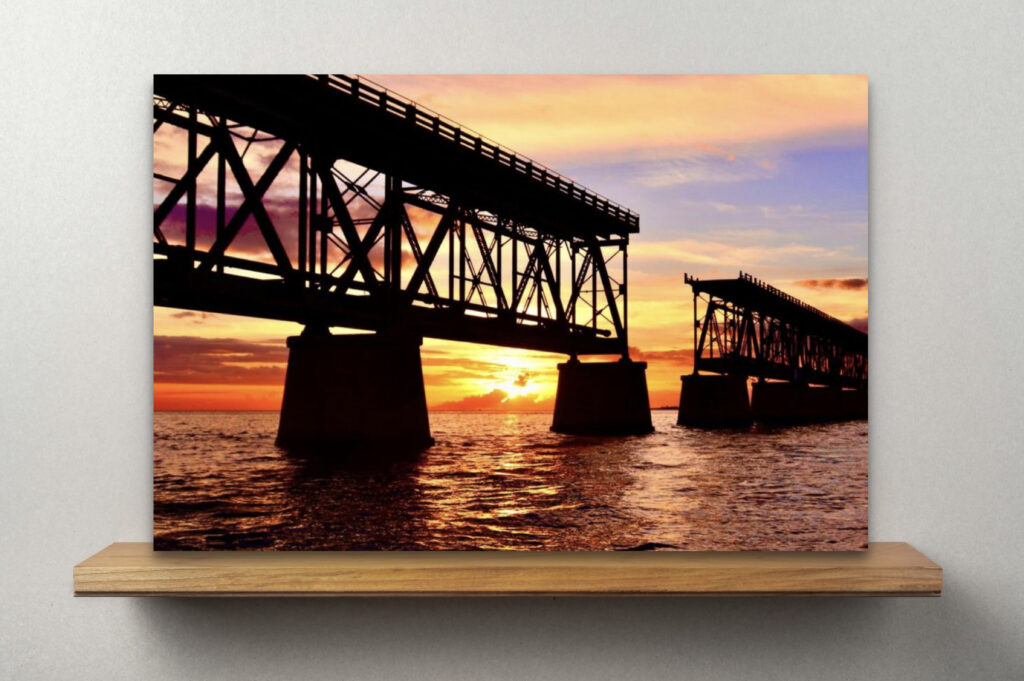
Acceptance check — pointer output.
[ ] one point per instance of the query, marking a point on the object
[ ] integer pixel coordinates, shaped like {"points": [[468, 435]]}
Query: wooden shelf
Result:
{"points": [[134, 569]]}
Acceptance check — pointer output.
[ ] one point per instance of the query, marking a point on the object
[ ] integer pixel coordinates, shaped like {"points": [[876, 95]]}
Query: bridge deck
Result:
{"points": [[346, 117], [183, 288]]}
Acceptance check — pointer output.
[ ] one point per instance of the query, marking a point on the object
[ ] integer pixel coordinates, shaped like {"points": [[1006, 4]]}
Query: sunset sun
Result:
{"points": [[517, 385]]}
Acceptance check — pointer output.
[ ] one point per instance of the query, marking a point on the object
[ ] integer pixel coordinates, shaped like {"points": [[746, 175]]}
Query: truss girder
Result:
{"points": [[337, 249], [738, 338]]}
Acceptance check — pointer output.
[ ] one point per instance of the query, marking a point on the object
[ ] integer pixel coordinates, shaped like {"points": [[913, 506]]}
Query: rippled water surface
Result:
{"points": [[504, 481]]}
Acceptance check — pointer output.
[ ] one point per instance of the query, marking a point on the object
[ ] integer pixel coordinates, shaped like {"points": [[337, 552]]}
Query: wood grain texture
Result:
{"points": [[134, 569]]}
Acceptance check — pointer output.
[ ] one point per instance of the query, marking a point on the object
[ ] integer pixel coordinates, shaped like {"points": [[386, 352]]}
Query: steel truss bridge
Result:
{"points": [[376, 213], [750, 328]]}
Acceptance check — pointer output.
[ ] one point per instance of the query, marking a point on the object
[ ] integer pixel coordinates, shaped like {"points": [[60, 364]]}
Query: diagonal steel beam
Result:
{"points": [[259, 211], [436, 240], [492, 272], [414, 246], [179, 189], [477, 286], [525, 278], [251, 204], [606, 284], [581, 280], [556, 298], [359, 249], [709, 319], [372, 235], [358, 186]]}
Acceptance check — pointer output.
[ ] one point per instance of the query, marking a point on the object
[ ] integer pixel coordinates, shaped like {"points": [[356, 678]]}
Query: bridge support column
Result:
{"points": [[786, 402], [800, 403], [602, 398], [854, 403], [710, 401], [354, 394]]}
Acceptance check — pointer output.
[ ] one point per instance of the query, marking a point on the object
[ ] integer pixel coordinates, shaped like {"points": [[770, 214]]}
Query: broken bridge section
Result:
{"points": [[808, 364]]}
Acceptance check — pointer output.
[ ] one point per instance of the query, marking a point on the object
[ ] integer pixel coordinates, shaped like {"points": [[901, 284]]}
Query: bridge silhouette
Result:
{"points": [[529, 253], [808, 364], [502, 251]]}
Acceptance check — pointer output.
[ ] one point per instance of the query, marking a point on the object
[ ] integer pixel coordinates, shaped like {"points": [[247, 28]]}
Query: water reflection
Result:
{"points": [[504, 481]]}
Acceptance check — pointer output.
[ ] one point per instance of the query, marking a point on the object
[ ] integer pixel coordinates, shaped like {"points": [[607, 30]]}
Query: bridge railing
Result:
{"points": [[374, 94], [788, 298], [765, 286]]}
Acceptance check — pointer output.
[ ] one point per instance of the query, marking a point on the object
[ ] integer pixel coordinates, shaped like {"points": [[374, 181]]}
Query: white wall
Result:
{"points": [[947, 417]]}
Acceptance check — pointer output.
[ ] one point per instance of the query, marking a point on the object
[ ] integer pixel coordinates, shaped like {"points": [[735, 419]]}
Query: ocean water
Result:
{"points": [[504, 481]]}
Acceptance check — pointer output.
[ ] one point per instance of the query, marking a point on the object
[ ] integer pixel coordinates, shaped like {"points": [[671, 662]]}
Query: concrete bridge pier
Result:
{"points": [[854, 403], [602, 398], [793, 402], [786, 401], [709, 401], [354, 395]]}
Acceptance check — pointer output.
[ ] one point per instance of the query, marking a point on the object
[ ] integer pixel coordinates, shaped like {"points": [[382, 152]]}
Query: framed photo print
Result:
{"points": [[510, 312]]}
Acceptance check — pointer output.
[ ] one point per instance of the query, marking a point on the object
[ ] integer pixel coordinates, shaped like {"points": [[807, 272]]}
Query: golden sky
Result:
{"points": [[765, 174]]}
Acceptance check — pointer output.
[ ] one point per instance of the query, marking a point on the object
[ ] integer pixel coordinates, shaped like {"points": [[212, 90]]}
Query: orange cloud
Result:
{"points": [[646, 116], [678, 356], [752, 255], [853, 284], [223, 361], [497, 400]]}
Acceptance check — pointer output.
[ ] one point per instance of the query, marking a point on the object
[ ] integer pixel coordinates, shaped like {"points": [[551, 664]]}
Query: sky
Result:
{"points": [[764, 174]]}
